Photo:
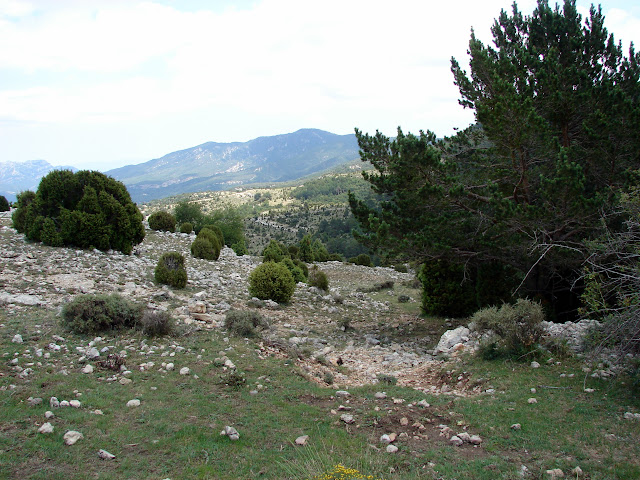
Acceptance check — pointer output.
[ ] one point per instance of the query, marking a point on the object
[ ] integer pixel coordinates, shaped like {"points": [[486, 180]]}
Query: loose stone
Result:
{"points": [[46, 428], [133, 403], [72, 437]]}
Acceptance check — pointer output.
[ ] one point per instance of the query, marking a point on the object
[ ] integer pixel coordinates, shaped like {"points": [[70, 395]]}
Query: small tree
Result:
{"points": [[273, 281], [86, 209], [162, 221], [170, 270], [4, 204]]}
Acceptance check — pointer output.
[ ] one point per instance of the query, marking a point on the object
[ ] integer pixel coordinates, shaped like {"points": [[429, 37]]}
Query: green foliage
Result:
{"points": [[318, 279], [88, 314], [230, 222], [320, 253], [186, 227], [156, 323], [518, 328], [274, 252], [202, 248], [362, 259], [4, 204], [240, 248], [305, 250], [244, 323], [445, 292], [296, 271], [271, 280], [207, 245], [556, 104], [87, 209], [188, 212], [162, 221], [19, 216], [217, 231], [170, 270]]}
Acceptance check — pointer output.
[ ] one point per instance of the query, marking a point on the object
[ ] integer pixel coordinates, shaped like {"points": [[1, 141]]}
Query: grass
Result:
{"points": [[175, 431]]}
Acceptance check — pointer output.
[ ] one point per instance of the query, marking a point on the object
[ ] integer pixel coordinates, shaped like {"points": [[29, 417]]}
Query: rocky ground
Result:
{"points": [[367, 333]]}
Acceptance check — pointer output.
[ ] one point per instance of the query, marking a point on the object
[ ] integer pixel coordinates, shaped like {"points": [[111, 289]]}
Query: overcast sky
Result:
{"points": [[104, 83]]}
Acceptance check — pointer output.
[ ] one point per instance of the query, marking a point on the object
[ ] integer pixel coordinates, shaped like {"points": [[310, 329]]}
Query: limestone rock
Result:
{"points": [[346, 418], [74, 403], [87, 369], [451, 338], [302, 440], [72, 437], [392, 449], [455, 440], [103, 454], [46, 428], [17, 338], [230, 432], [133, 403], [184, 371]]}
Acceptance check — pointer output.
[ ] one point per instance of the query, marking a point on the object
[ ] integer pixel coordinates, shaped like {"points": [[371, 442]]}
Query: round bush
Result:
{"points": [[240, 248], [318, 279], [170, 270], [274, 252], [4, 204], [244, 323], [186, 227], [162, 221], [95, 313], [273, 281], [296, 271], [215, 229], [202, 248], [213, 240], [88, 209], [362, 259]]}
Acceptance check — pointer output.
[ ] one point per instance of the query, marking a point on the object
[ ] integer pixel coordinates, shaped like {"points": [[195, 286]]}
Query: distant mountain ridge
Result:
{"points": [[218, 166], [16, 177]]}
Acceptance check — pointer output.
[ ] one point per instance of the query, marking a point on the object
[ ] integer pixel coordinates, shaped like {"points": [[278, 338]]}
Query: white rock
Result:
{"points": [[532, 400], [72, 437], [577, 472], [423, 404], [346, 418], [49, 414], [385, 439], [342, 393], [455, 440], [465, 437], [87, 369], [516, 426], [105, 455], [17, 338], [92, 353], [46, 428], [475, 440], [380, 395], [231, 432], [184, 371], [451, 338], [392, 449], [64, 403], [302, 440], [169, 367], [74, 403], [535, 365], [555, 473], [229, 364], [133, 403], [631, 416]]}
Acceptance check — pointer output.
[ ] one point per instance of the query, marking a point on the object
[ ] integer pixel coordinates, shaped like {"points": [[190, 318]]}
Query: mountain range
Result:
{"points": [[16, 177], [210, 166], [219, 166]]}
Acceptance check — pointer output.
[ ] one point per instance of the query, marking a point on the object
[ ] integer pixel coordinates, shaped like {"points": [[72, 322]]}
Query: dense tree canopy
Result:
{"points": [[84, 209], [557, 105]]}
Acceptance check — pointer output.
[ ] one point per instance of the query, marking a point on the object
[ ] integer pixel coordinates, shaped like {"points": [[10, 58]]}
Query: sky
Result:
{"points": [[99, 84]]}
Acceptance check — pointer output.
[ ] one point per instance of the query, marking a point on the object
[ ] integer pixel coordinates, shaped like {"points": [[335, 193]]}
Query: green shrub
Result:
{"points": [[4, 204], [335, 257], [19, 216], [155, 323], [88, 209], [202, 248], [170, 270], [274, 252], [87, 314], [49, 234], [320, 252], [240, 248], [162, 221], [305, 250], [296, 271], [518, 327], [215, 229], [362, 259], [318, 279], [400, 268], [445, 291], [244, 323], [386, 379], [272, 280], [186, 227], [302, 266]]}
